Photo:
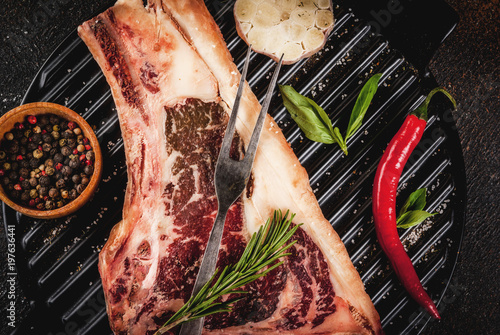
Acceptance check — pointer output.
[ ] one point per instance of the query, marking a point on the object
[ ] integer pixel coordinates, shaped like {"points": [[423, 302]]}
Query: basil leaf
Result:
{"points": [[415, 202], [310, 117], [412, 218], [340, 140], [362, 103]]}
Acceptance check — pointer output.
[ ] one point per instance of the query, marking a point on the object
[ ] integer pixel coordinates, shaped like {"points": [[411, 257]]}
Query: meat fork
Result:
{"points": [[230, 180]]}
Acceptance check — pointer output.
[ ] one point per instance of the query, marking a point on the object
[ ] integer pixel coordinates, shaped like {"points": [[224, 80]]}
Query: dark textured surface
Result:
{"points": [[467, 64]]}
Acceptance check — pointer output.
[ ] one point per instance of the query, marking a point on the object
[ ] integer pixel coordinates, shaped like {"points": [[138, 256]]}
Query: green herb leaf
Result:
{"points": [[310, 117], [412, 218], [362, 103], [412, 213], [415, 202], [260, 257]]}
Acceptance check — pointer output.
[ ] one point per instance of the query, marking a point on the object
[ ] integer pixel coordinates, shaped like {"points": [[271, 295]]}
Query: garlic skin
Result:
{"points": [[295, 28]]}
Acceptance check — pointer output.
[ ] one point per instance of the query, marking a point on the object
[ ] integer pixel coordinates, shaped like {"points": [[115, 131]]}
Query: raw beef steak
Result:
{"points": [[174, 83]]}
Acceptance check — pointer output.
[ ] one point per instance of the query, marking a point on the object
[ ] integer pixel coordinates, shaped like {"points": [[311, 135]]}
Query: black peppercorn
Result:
{"points": [[44, 120], [48, 129], [43, 191], [44, 181], [71, 142], [53, 151], [54, 119], [55, 135], [80, 188], [88, 169], [46, 147], [49, 204], [40, 206], [58, 158], [85, 181], [15, 194], [13, 176], [25, 184], [25, 196], [23, 141], [25, 163], [60, 183], [66, 150], [66, 161], [36, 139], [31, 146], [13, 148], [5, 181], [67, 134], [76, 179], [53, 192], [73, 194], [34, 163], [24, 173], [47, 138], [74, 163], [14, 165], [33, 182]]}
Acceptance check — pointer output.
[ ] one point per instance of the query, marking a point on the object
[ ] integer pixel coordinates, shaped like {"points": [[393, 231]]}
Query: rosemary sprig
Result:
{"points": [[264, 249]]}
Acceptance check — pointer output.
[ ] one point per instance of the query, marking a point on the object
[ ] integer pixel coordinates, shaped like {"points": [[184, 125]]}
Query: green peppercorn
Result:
{"points": [[37, 153], [2, 154], [27, 133], [49, 204], [33, 193], [6, 166], [53, 192], [55, 135], [49, 170], [56, 128], [60, 203]]}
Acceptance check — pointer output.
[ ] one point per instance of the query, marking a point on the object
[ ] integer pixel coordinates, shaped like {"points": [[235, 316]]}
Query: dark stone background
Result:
{"points": [[467, 64]]}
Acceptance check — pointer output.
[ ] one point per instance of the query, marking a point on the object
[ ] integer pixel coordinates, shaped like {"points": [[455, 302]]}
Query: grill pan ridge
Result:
{"points": [[58, 258]]}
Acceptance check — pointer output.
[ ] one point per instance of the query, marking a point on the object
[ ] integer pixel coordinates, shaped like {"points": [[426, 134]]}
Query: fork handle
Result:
{"points": [[207, 269]]}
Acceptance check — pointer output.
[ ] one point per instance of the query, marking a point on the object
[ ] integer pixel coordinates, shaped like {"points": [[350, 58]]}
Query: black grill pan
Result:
{"points": [[57, 259]]}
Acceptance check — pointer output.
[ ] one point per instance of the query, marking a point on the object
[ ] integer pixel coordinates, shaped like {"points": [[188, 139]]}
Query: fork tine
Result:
{"points": [[254, 140], [228, 137]]}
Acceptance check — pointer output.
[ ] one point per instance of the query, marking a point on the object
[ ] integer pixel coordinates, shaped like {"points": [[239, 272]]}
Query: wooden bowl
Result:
{"points": [[19, 114]]}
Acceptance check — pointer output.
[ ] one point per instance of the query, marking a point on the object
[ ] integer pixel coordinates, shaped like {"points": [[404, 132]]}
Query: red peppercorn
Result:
{"points": [[86, 141], [40, 148], [88, 162], [45, 198], [38, 200], [32, 119], [19, 125], [21, 179], [44, 173], [82, 157], [19, 157], [2, 172], [75, 152], [71, 125], [44, 131], [87, 147], [18, 187], [32, 203], [59, 166]]}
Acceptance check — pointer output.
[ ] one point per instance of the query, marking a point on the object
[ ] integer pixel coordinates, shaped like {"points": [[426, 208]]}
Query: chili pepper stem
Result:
{"points": [[421, 111]]}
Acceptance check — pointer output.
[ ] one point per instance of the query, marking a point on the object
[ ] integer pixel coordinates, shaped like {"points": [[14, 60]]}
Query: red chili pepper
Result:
{"points": [[384, 201]]}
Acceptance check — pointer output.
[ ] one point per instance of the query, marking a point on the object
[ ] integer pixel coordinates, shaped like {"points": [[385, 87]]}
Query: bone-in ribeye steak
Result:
{"points": [[174, 83]]}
